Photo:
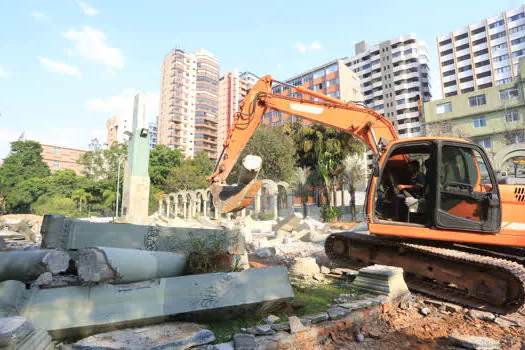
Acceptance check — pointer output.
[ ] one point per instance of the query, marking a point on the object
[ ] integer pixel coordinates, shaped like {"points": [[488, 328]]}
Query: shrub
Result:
{"points": [[329, 214]]}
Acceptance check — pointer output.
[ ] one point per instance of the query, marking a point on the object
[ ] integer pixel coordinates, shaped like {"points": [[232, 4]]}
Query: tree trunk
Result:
{"points": [[352, 203], [343, 196], [305, 209]]}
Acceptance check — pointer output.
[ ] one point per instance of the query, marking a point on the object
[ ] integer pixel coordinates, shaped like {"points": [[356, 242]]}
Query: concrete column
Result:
{"points": [[205, 203], [243, 212], [168, 209], [257, 204], [273, 205], [289, 200], [184, 207], [160, 208], [26, 265], [119, 265], [175, 209]]}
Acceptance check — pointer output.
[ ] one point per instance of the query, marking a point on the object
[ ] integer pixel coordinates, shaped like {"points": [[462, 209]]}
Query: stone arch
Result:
{"points": [[172, 205], [200, 201], [181, 203], [283, 195], [507, 152], [189, 198], [266, 201]]}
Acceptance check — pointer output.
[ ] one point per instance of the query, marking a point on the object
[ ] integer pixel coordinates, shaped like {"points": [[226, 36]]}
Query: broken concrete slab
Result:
{"points": [[288, 224], [11, 235], [173, 335], [81, 309], [244, 341], [14, 329], [382, 280], [481, 315], [27, 265], [296, 326], [65, 233], [119, 265], [314, 237], [473, 342]]}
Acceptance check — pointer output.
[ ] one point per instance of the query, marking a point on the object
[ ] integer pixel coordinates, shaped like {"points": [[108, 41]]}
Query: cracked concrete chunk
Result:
{"points": [[44, 279], [244, 341], [83, 307], [296, 325], [472, 342], [305, 267], [27, 265], [337, 312], [118, 265], [316, 318], [288, 224], [481, 315], [175, 335], [14, 329]]}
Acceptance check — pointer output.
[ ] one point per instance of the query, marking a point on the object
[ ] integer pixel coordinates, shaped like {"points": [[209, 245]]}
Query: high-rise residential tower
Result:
{"points": [[333, 79], [394, 74], [483, 54], [233, 87], [188, 110]]}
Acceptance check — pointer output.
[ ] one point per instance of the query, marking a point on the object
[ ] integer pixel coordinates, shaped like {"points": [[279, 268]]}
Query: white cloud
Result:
{"points": [[39, 16], [122, 105], [91, 44], [59, 67], [88, 10], [316, 45], [3, 73], [303, 48]]}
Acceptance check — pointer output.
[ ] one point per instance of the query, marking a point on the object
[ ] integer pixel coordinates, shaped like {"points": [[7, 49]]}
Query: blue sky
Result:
{"points": [[66, 66]]}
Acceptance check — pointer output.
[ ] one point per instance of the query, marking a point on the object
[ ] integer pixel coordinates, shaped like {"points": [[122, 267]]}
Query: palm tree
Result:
{"points": [[300, 183], [354, 174], [81, 195]]}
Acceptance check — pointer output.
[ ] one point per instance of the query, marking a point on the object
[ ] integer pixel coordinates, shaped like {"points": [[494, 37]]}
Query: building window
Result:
{"points": [[449, 73], [516, 29], [499, 47], [319, 74], [518, 41], [503, 81], [501, 58], [480, 122], [331, 69], [478, 100], [516, 17], [497, 35], [502, 69], [512, 116], [507, 94], [515, 138], [464, 69], [496, 24], [518, 53], [56, 165], [57, 150], [444, 108], [485, 142]]}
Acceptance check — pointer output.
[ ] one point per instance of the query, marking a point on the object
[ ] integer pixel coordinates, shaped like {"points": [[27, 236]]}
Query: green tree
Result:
{"points": [[26, 192], [277, 151], [186, 177], [299, 182], [93, 160], [161, 161], [203, 163], [354, 174], [81, 196], [23, 162], [55, 205]]}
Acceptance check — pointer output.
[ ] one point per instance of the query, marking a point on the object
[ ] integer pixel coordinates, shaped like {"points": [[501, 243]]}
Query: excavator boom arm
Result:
{"points": [[365, 124]]}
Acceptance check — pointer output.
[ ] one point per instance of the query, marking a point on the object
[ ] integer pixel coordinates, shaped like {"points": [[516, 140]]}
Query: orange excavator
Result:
{"points": [[433, 204]]}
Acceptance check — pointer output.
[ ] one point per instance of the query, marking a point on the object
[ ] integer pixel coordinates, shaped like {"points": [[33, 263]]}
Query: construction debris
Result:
{"points": [[251, 165], [305, 268], [20, 333], [288, 224], [174, 335], [83, 308], [472, 342], [118, 265], [27, 265], [383, 280]]}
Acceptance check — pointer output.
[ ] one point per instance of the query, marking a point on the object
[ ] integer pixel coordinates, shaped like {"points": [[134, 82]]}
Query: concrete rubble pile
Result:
{"points": [[90, 277], [292, 235], [19, 232]]}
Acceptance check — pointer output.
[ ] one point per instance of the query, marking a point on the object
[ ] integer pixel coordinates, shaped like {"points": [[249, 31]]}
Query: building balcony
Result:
{"points": [[463, 52], [465, 74], [464, 63], [501, 40], [479, 36], [484, 80], [516, 23], [446, 57], [377, 84], [466, 85], [378, 93], [479, 47], [445, 47], [481, 58], [449, 78], [519, 46], [461, 42], [450, 89], [482, 69]]}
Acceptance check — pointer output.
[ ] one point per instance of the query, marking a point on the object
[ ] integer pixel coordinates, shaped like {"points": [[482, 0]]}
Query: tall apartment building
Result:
{"points": [[483, 54], [188, 110], [393, 74], [116, 128], [152, 127], [233, 87], [333, 79]]}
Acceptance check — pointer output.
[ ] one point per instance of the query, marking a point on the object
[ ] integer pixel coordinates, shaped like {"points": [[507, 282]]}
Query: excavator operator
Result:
{"points": [[415, 189]]}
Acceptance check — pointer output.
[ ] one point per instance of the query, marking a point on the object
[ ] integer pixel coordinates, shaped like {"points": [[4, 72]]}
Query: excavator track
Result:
{"points": [[472, 280]]}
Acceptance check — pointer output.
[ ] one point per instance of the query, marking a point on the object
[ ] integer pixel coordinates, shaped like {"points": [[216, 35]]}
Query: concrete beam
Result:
{"points": [[118, 265], [81, 310], [61, 232], [27, 265]]}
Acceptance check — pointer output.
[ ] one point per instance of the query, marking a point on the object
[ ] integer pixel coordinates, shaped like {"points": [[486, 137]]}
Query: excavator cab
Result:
{"points": [[451, 186]]}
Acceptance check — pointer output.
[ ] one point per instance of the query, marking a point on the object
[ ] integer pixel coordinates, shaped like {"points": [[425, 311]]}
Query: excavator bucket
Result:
{"points": [[228, 199]]}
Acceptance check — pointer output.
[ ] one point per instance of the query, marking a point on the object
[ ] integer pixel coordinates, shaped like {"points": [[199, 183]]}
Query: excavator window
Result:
{"points": [[404, 186]]}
